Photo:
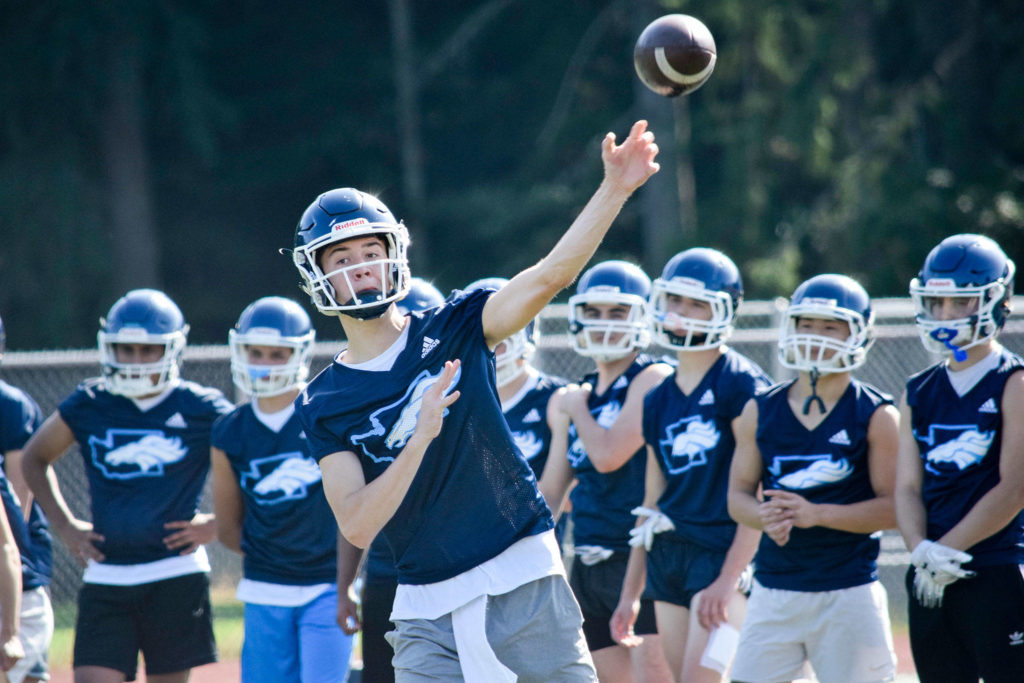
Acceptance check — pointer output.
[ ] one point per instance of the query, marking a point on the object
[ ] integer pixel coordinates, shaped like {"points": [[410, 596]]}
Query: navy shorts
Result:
{"points": [[378, 598], [677, 570], [597, 589], [169, 621], [978, 632]]}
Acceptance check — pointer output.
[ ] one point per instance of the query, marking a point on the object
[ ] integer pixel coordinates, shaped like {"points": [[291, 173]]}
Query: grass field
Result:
{"points": [[227, 628]]}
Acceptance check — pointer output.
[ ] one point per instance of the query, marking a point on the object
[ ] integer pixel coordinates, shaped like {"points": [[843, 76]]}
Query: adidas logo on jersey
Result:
{"points": [[1016, 638], [429, 344], [532, 416], [176, 421], [707, 399], [620, 383], [988, 406], [840, 438]]}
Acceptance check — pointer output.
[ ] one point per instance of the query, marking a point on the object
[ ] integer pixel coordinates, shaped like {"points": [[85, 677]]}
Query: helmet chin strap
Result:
{"points": [[368, 312], [814, 398]]}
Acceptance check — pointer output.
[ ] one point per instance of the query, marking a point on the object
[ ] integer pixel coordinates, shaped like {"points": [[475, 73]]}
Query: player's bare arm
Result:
{"points": [[363, 509], [349, 559], [626, 612], [712, 608], [626, 168], [910, 513], [609, 448], [12, 468], [866, 516], [227, 501], [1004, 501], [11, 649], [557, 476], [47, 445]]}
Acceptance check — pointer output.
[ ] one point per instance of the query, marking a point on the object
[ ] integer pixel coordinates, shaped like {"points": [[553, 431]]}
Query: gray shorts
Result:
{"points": [[535, 630]]}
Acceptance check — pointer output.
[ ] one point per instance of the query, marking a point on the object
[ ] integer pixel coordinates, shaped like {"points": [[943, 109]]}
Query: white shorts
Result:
{"points": [[844, 634], [35, 631]]}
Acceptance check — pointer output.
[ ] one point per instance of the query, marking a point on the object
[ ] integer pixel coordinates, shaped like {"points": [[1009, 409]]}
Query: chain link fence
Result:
{"points": [[49, 376]]}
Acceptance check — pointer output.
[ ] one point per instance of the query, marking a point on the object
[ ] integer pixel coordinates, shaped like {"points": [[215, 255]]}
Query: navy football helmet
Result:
{"points": [[827, 297], [142, 316], [701, 274], [271, 321], [522, 344], [421, 296], [340, 215], [610, 282], [974, 270]]}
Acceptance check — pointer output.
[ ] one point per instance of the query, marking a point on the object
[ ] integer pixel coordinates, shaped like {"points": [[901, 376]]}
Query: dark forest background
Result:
{"points": [[175, 144]]}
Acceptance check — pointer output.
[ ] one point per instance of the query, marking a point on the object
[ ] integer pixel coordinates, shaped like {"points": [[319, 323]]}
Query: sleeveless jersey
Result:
{"points": [[693, 440], [828, 464], [289, 534], [474, 494], [959, 438], [527, 419], [145, 468], [601, 502], [19, 418]]}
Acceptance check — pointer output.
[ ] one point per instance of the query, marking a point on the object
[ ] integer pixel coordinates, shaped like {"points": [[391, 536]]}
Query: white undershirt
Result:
{"points": [[384, 361], [273, 421], [965, 380]]}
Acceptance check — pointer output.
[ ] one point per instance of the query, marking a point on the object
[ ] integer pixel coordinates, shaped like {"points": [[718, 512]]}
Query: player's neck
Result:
{"points": [[507, 391], [273, 404], [693, 365], [609, 371], [975, 354], [367, 339], [829, 389]]}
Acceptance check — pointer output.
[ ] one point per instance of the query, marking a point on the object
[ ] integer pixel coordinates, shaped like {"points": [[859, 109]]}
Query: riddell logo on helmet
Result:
{"points": [[940, 282], [349, 224]]}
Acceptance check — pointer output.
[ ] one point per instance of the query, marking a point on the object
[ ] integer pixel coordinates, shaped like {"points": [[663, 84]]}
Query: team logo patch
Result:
{"points": [[808, 471], [528, 444], [402, 416], [967, 447], [687, 443], [280, 478], [132, 453]]}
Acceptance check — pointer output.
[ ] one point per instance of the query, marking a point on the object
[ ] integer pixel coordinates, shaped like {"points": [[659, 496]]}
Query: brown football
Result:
{"points": [[675, 55]]}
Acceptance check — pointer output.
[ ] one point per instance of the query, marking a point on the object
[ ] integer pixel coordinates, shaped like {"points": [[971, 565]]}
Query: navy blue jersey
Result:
{"points": [[529, 423], [693, 440], [289, 534], [828, 464], [19, 418], [145, 468], [602, 502], [959, 438], [474, 494]]}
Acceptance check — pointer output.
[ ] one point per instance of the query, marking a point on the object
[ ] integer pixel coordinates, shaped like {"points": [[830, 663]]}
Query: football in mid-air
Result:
{"points": [[675, 55]]}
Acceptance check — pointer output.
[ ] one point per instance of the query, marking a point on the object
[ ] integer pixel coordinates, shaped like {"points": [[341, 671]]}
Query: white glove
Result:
{"points": [[655, 523], [935, 567], [592, 554]]}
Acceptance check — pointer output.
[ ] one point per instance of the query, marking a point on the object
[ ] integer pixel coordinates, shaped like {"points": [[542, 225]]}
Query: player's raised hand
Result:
{"points": [[629, 165], [436, 400]]}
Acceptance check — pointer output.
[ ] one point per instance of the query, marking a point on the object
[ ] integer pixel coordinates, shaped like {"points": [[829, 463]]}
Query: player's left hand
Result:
{"points": [[199, 530], [348, 613], [794, 507], [713, 602], [11, 651], [622, 621], [629, 165]]}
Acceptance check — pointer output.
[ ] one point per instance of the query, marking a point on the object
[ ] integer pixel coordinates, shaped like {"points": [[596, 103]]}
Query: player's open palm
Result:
{"points": [[629, 165], [436, 400]]}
